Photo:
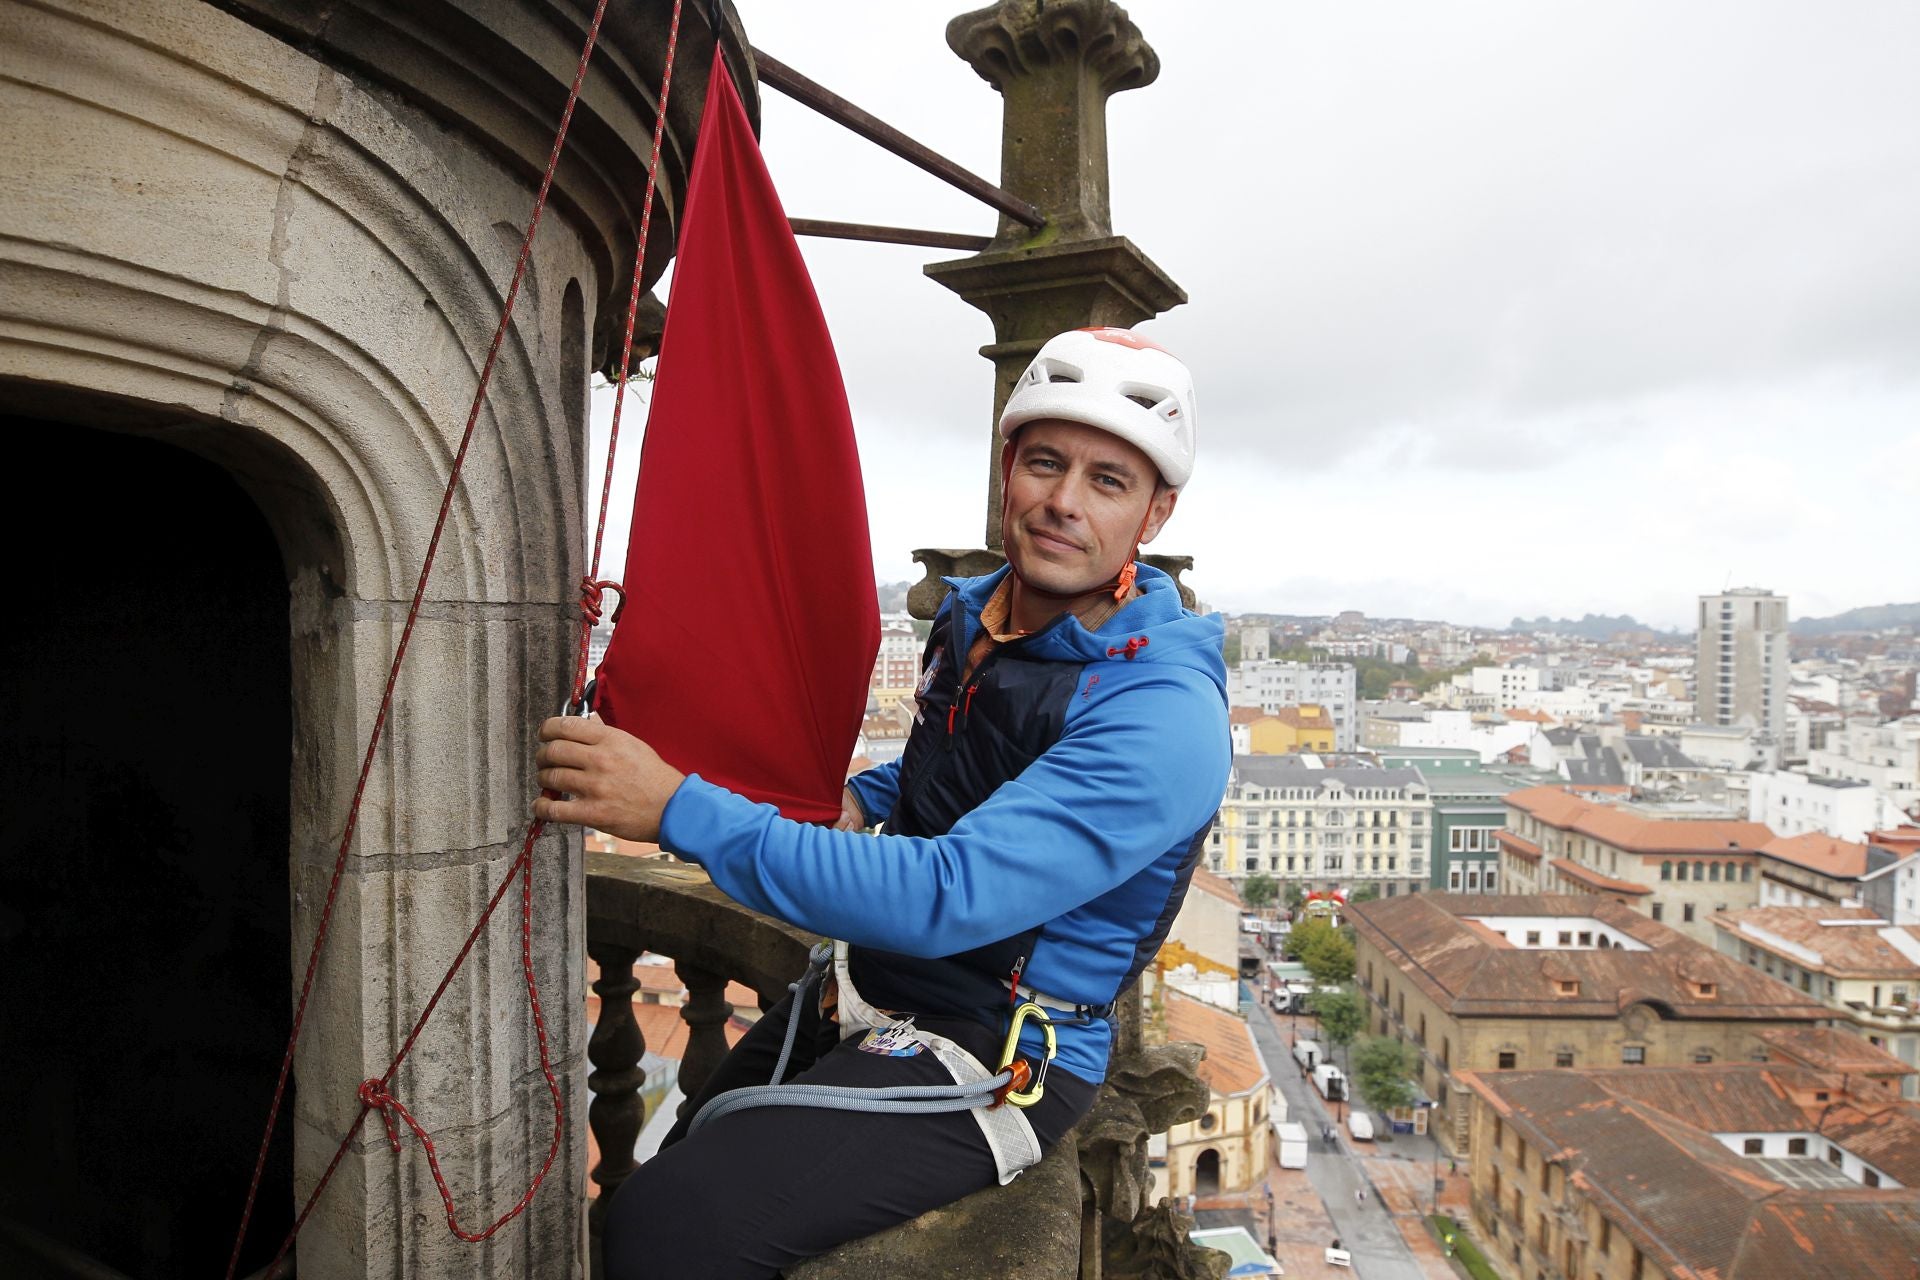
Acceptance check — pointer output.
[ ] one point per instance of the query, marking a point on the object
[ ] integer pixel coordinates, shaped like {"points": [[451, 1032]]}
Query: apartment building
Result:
{"points": [[1322, 827], [1678, 870], [1815, 870], [1274, 684], [1508, 982], [1741, 665], [1884, 756], [1860, 966], [1792, 803]]}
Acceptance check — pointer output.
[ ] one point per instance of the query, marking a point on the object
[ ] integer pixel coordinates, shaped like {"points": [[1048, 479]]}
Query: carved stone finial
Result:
{"points": [[1021, 36]]}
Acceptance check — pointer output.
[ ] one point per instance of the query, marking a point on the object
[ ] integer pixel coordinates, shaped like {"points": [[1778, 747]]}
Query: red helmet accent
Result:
{"points": [[1125, 338]]}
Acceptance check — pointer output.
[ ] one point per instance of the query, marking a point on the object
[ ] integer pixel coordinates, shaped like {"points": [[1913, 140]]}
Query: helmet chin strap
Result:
{"points": [[1122, 584]]}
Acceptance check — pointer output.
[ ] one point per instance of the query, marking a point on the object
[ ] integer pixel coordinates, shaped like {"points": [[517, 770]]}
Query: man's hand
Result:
{"points": [[852, 818], [607, 779]]}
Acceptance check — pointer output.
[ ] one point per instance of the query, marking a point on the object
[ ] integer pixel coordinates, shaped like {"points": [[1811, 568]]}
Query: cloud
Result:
{"points": [[1504, 308]]}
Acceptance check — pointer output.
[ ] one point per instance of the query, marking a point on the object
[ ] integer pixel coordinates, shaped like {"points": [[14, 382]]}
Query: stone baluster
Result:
{"points": [[617, 1114], [705, 1013]]}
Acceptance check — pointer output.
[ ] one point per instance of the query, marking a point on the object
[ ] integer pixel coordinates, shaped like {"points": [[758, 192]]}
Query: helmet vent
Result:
{"points": [[1061, 377], [1145, 402]]}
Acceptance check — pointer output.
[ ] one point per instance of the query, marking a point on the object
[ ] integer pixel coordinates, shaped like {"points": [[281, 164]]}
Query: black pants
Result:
{"points": [[760, 1190]]}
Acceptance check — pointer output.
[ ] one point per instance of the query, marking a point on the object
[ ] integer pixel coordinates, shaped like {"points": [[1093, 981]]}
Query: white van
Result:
{"points": [[1360, 1125], [1330, 1081], [1293, 1145], [1307, 1053]]}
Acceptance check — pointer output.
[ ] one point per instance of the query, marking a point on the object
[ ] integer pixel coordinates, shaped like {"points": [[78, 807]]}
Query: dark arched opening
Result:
{"points": [[1206, 1173], [145, 749]]}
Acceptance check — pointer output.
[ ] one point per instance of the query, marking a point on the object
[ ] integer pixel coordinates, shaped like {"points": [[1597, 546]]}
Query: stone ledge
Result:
{"points": [[1026, 1230]]}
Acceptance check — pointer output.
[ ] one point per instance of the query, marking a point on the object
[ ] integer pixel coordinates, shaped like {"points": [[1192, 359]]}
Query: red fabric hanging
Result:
{"points": [[747, 641]]}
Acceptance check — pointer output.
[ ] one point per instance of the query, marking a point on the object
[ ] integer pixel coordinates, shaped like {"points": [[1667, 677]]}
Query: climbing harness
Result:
{"points": [[996, 1099], [376, 1094]]}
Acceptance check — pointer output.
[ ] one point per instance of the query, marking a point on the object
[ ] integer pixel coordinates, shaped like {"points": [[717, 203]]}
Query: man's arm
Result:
{"points": [[876, 791], [1131, 778]]}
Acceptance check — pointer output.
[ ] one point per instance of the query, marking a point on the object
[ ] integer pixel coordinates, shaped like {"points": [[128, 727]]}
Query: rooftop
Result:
{"points": [[1833, 1049], [1594, 880], [1838, 941], [1815, 851], [1633, 833], [1641, 1144], [1301, 771], [1470, 971], [1233, 1064], [1207, 882]]}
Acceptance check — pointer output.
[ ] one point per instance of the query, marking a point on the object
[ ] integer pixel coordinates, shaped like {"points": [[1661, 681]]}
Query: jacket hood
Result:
{"points": [[1171, 632]]}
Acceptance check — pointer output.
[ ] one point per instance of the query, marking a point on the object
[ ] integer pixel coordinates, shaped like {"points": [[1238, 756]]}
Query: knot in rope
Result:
{"points": [[592, 592], [375, 1096], [1132, 648]]}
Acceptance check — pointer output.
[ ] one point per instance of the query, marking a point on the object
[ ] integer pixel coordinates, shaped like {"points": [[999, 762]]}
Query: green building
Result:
{"points": [[1468, 810]]}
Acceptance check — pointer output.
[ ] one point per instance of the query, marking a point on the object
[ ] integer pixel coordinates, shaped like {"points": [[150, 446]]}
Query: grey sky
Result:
{"points": [[1496, 308]]}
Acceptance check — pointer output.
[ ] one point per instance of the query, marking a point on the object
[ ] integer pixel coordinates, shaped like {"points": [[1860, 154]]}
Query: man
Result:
{"points": [[1070, 750]]}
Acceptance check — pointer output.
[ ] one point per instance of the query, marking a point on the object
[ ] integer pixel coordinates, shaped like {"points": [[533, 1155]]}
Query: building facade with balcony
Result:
{"points": [[1322, 827], [1864, 969], [1521, 982]]}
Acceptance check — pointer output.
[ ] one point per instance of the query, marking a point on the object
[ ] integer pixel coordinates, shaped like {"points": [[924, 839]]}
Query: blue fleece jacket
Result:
{"points": [[1090, 842]]}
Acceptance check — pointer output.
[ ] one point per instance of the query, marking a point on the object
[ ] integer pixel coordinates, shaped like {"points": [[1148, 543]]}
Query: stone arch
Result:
{"points": [[223, 244], [1207, 1172]]}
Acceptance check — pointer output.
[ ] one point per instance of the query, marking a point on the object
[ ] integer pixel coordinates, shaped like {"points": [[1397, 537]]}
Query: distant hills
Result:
{"points": [[1592, 626], [1868, 618]]}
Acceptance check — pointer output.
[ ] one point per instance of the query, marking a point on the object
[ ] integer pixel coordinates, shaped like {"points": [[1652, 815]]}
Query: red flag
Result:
{"points": [[748, 638]]}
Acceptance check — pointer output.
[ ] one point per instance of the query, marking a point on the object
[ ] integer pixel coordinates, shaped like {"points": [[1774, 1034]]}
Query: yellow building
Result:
{"points": [[1480, 983], [1226, 1149], [1307, 727], [1740, 1171]]}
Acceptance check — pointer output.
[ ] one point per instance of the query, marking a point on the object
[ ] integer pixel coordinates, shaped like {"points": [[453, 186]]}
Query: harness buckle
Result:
{"points": [[1026, 1086]]}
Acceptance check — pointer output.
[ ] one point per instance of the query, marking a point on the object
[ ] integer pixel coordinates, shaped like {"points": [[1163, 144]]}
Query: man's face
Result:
{"points": [[1075, 498]]}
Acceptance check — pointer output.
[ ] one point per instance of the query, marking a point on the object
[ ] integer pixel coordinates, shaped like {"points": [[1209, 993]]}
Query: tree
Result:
{"points": [[1341, 1013], [1296, 896], [1259, 890], [1365, 893], [1383, 1072], [1327, 951]]}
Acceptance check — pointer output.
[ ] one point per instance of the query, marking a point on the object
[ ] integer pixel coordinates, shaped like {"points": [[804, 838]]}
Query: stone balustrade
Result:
{"points": [[1081, 1212]]}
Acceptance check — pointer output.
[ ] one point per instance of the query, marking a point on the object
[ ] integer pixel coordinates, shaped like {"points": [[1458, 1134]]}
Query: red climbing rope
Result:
{"points": [[376, 1094]]}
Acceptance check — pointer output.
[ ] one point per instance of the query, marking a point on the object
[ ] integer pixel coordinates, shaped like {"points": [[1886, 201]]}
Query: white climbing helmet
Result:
{"points": [[1115, 380]]}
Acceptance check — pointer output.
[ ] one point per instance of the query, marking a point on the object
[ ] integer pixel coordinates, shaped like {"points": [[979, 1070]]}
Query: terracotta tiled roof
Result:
{"points": [[1832, 1049], [1898, 839], [1818, 852], [1530, 715], [1207, 882], [1519, 845], [1593, 879], [1858, 949], [1244, 715], [1430, 938], [1233, 1064], [664, 980], [1640, 1143], [1633, 833], [666, 1031], [1301, 718]]}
